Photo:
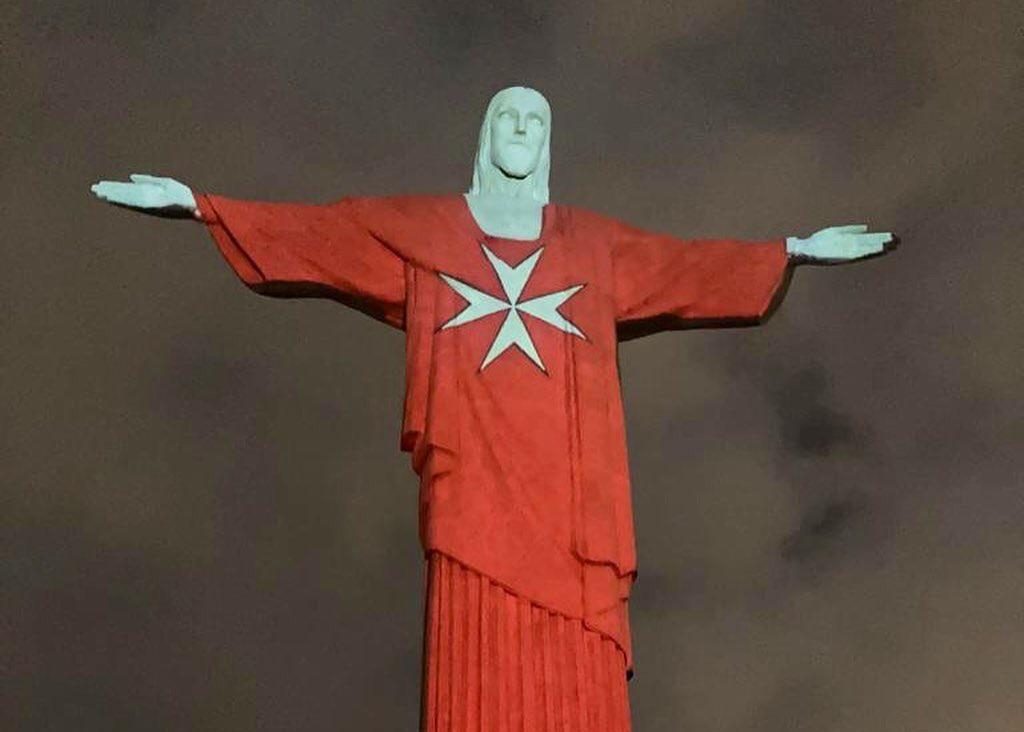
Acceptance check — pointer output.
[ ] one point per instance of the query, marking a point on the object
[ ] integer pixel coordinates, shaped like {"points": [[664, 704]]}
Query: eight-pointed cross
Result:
{"points": [[513, 331]]}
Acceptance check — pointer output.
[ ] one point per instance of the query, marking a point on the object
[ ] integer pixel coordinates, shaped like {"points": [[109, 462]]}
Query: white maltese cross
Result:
{"points": [[513, 331]]}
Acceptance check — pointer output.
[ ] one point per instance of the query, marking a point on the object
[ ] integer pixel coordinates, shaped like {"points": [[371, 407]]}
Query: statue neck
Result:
{"points": [[507, 216], [503, 186]]}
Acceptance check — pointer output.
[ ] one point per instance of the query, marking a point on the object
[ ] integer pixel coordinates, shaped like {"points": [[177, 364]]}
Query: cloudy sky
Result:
{"points": [[206, 523]]}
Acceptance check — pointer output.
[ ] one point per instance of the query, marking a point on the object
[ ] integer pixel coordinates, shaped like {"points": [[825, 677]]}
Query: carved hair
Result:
{"points": [[488, 178]]}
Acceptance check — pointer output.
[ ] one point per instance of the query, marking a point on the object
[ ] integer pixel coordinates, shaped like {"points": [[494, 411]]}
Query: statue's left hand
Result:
{"points": [[838, 244], [150, 194]]}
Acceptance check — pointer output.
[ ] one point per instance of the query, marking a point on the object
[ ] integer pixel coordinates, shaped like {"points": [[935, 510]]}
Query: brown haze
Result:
{"points": [[206, 523]]}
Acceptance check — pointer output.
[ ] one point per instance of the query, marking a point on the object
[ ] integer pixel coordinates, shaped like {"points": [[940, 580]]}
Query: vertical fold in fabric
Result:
{"points": [[495, 662]]}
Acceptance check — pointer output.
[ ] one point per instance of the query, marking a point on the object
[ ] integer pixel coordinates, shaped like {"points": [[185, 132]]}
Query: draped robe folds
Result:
{"points": [[523, 470]]}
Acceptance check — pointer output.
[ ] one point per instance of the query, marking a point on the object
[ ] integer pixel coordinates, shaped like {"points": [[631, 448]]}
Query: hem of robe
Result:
{"points": [[494, 660]]}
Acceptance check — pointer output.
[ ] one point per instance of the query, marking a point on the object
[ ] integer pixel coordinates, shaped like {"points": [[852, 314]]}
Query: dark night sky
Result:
{"points": [[206, 522]]}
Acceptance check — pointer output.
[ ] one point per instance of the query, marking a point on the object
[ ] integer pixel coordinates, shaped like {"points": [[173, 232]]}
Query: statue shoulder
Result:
{"points": [[405, 203], [419, 227], [585, 220]]}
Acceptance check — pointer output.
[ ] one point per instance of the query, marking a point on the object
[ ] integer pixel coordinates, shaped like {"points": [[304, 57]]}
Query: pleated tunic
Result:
{"points": [[496, 662]]}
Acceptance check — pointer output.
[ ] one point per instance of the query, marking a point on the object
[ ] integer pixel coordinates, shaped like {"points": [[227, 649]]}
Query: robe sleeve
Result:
{"points": [[307, 250], [665, 283]]}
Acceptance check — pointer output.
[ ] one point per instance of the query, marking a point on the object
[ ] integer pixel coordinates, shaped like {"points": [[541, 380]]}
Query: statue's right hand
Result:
{"points": [[149, 194]]}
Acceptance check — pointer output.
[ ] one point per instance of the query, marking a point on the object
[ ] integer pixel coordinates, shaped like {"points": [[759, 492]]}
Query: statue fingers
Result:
{"points": [[867, 244], [150, 179], [126, 194], [849, 229], [110, 190], [873, 239], [867, 238]]}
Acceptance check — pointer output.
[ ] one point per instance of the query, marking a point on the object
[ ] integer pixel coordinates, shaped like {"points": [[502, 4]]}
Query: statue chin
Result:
{"points": [[514, 174], [516, 163]]}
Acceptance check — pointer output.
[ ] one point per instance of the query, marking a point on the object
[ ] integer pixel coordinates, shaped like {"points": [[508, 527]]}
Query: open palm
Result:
{"points": [[149, 194], [838, 244]]}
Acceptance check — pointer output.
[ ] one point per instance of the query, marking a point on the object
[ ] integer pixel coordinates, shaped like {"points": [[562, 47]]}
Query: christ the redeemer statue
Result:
{"points": [[512, 309]]}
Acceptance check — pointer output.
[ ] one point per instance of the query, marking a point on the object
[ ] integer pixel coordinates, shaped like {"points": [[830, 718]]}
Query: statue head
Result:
{"points": [[514, 154]]}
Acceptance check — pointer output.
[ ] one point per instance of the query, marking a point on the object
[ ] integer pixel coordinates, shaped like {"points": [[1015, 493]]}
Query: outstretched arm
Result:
{"points": [[839, 244], [150, 194], [665, 283], [285, 249]]}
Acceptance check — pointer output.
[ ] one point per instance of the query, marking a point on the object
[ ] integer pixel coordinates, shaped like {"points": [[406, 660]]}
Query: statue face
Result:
{"points": [[519, 127]]}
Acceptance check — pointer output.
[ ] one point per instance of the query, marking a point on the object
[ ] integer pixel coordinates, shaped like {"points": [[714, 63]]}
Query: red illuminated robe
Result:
{"points": [[519, 441]]}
